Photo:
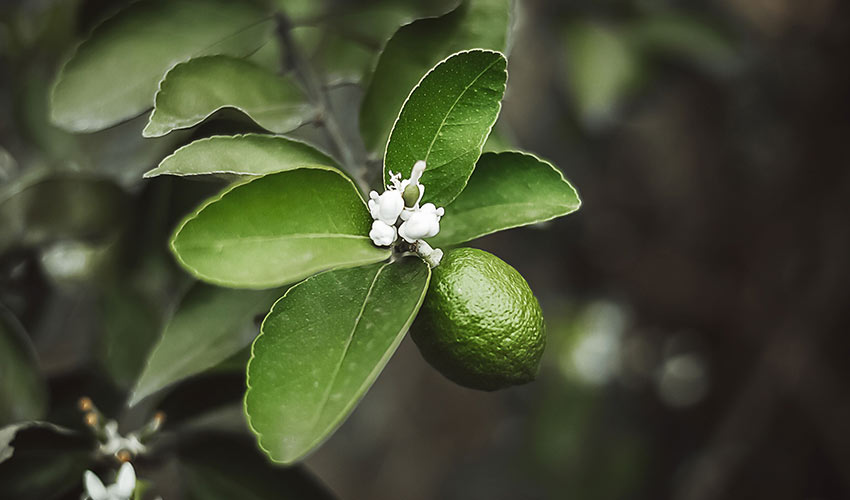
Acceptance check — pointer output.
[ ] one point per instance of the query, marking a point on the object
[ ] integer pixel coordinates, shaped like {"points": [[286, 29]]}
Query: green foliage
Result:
{"points": [[195, 89], [446, 120], [602, 69], [23, 393], [43, 210], [417, 47], [210, 325], [292, 210], [102, 84], [506, 190], [249, 154], [321, 348], [301, 221]]}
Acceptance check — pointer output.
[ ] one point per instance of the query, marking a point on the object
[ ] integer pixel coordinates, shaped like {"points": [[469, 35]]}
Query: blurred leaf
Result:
{"points": [[8, 434], [23, 393], [226, 467], [119, 152], [446, 120], [48, 462], [192, 91], [248, 154], [322, 346], [277, 229], [210, 325], [131, 325], [113, 75], [602, 69], [687, 38], [337, 58], [416, 48], [371, 23], [64, 206], [506, 190], [498, 141], [301, 10]]}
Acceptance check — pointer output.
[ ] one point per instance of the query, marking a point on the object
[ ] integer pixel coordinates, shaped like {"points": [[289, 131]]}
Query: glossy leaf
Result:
{"points": [[278, 229], [249, 154], [23, 393], [446, 120], [321, 348], [114, 74], [210, 325], [194, 90], [506, 190], [416, 48]]}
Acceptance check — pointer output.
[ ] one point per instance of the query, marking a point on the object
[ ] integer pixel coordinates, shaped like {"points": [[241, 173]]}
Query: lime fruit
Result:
{"points": [[480, 324]]}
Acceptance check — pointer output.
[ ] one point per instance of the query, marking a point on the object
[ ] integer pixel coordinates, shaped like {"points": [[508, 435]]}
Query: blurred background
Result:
{"points": [[698, 305]]}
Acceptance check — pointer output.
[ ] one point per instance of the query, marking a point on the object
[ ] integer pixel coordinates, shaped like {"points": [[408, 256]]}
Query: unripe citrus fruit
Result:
{"points": [[480, 324]]}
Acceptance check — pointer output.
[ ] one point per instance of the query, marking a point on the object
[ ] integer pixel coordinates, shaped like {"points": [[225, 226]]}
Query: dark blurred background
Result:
{"points": [[698, 304]]}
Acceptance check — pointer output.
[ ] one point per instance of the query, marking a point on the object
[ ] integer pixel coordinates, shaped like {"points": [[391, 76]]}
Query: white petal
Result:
{"points": [[382, 234], [94, 487], [416, 173], [126, 482], [390, 205]]}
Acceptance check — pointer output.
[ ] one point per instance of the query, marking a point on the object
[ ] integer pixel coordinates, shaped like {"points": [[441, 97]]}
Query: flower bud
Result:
{"points": [[411, 195], [382, 234], [386, 207], [420, 225]]}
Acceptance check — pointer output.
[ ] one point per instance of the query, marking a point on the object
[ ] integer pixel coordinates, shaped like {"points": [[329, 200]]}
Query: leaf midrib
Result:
{"points": [[266, 239], [452, 107], [332, 382]]}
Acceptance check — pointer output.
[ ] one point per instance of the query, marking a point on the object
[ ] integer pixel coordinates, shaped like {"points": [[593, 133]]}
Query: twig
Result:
{"points": [[318, 95]]}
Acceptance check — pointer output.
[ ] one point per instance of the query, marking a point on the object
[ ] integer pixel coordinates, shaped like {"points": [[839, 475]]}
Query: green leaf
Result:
{"points": [[23, 393], [446, 120], [249, 154], [278, 229], [217, 466], [114, 74], [602, 70], [321, 348], [416, 48], [506, 190], [210, 325], [192, 91], [130, 326]]}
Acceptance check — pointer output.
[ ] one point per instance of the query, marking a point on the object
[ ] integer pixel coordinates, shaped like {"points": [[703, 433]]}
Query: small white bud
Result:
{"points": [[387, 206], [421, 224], [382, 234]]}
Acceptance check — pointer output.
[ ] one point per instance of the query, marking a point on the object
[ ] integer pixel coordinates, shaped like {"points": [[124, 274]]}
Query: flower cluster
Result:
{"points": [[123, 488], [397, 213]]}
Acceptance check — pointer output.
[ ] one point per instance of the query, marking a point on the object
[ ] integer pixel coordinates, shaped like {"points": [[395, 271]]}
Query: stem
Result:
{"points": [[318, 95]]}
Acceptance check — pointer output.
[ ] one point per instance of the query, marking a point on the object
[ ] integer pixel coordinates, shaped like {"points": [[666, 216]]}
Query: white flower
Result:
{"points": [[382, 234], [123, 488], [387, 206], [422, 223], [116, 442]]}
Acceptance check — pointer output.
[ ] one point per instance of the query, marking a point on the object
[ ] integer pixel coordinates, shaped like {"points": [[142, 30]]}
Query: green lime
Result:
{"points": [[480, 324]]}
